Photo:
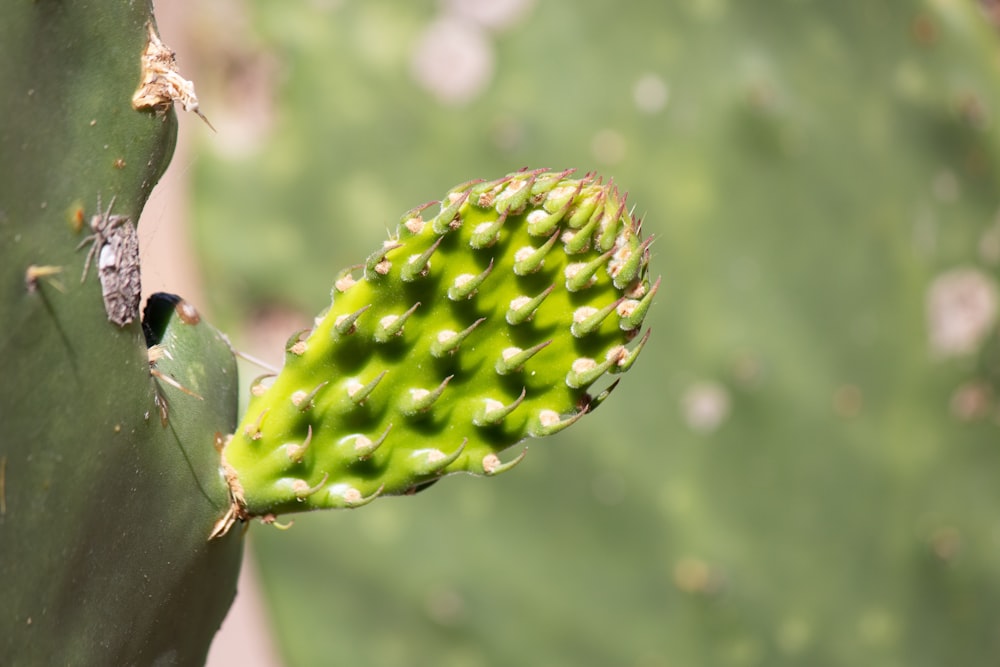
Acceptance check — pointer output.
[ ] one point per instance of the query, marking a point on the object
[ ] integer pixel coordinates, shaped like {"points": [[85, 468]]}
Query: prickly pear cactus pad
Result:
{"points": [[466, 332], [108, 473]]}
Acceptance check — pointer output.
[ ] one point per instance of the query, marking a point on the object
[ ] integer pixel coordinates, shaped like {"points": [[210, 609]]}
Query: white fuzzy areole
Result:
{"points": [[549, 417]]}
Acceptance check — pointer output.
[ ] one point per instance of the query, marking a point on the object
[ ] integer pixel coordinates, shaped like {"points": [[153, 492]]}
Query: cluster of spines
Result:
{"points": [[460, 336]]}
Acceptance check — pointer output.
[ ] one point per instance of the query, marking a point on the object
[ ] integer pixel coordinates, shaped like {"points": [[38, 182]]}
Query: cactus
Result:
{"points": [[108, 475], [112, 474], [459, 337], [813, 171]]}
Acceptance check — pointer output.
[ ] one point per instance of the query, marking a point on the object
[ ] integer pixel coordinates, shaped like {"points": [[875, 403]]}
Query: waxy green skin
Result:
{"points": [[104, 501], [464, 334]]}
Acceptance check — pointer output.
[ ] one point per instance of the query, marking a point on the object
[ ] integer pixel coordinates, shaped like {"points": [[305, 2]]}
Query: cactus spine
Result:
{"points": [[463, 334]]}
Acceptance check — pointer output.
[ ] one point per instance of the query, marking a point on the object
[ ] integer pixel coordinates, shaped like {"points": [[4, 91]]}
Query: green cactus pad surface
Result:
{"points": [[465, 333], [108, 473]]}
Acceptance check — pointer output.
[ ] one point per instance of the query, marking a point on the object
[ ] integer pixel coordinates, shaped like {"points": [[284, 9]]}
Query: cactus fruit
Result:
{"points": [[462, 335]]}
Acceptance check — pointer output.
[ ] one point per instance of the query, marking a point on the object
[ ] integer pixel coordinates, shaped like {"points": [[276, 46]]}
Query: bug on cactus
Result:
{"points": [[115, 244], [466, 332]]}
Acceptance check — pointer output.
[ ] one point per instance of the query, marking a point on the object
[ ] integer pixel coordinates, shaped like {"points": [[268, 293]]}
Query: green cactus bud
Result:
{"points": [[458, 338]]}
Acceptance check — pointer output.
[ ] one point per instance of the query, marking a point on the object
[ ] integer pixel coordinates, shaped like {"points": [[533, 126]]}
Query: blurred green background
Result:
{"points": [[802, 470]]}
